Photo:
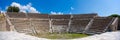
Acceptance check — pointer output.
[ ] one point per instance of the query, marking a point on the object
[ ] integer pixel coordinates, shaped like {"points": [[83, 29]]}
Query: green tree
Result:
{"points": [[114, 15], [13, 9]]}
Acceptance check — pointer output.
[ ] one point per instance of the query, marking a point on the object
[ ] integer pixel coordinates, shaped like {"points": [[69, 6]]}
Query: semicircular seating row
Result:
{"points": [[43, 23]]}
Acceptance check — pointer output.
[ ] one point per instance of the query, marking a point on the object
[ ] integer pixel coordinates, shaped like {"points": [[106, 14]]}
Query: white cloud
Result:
{"points": [[56, 13], [2, 11], [25, 8], [32, 9], [72, 8]]}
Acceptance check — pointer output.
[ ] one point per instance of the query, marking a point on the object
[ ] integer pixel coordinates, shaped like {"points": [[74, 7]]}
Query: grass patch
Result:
{"points": [[2, 17], [61, 36]]}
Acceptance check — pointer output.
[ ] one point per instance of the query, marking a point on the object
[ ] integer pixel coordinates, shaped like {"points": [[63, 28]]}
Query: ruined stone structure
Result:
{"points": [[44, 23]]}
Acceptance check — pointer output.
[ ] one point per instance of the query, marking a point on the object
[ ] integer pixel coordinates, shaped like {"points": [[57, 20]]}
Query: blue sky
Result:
{"points": [[102, 7]]}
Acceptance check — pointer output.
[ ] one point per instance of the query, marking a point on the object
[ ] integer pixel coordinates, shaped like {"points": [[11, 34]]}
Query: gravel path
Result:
{"points": [[22, 36]]}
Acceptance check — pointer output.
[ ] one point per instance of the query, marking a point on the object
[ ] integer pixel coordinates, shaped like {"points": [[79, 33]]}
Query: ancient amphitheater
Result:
{"points": [[43, 23]]}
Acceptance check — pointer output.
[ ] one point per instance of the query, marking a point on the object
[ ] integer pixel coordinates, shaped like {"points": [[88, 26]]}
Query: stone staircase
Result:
{"points": [[99, 25], [59, 16], [84, 16], [16, 15], [60, 25], [22, 26], [78, 26], [40, 26], [37, 16], [119, 24]]}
